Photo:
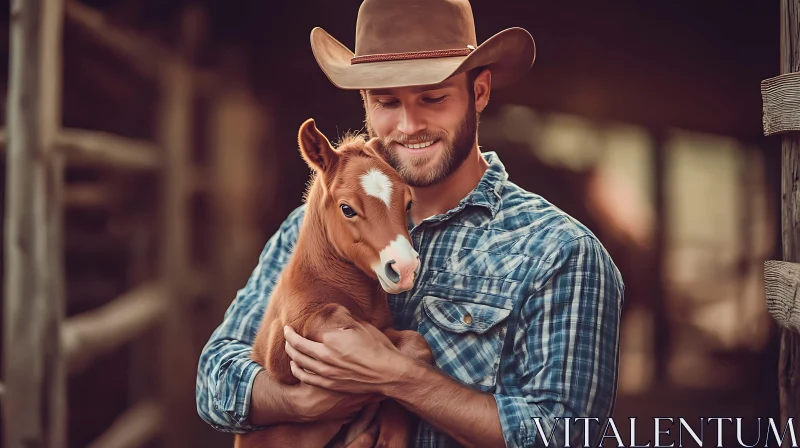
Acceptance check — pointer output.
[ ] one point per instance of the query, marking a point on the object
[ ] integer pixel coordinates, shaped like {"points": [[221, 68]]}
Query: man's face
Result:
{"points": [[425, 132]]}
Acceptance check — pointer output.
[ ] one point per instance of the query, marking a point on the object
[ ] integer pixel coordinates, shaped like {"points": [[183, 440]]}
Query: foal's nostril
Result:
{"points": [[391, 274]]}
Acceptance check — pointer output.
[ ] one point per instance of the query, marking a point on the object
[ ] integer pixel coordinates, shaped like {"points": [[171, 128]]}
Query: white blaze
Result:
{"points": [[378, 185]]}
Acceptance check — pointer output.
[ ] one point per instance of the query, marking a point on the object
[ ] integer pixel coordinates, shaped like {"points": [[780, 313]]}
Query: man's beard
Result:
{"points": [[453, 154]]}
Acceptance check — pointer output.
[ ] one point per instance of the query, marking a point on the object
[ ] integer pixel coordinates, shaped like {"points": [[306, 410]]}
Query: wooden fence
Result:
{"points": [[41, 346]]}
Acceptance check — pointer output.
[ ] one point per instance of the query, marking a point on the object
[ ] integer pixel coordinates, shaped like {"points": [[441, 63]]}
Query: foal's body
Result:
{"points": [[329, 284]]}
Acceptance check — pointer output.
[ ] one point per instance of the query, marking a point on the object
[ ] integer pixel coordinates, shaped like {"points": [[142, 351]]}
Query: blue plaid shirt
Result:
{"points": [[516, 298]]}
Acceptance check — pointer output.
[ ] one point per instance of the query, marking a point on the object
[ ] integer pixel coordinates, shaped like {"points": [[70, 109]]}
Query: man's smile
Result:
{"points": [[419, 148]]}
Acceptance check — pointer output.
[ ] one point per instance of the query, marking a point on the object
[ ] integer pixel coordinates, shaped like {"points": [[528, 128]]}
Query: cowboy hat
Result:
{"points": [[403, 43]]}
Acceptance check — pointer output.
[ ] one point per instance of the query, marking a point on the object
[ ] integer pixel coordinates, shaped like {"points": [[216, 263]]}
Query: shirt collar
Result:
{"points": [[486, 194]]}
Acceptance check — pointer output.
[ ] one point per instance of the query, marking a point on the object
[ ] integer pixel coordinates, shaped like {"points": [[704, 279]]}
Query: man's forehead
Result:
{"points": [[450, 82]]}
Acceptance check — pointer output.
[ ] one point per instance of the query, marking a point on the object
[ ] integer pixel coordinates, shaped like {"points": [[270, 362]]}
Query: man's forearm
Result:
{"points": [[270, 402], [468, 416]]}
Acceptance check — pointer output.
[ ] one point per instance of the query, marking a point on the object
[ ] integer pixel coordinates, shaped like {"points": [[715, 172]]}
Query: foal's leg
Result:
{"points": [[300, 435], [397, 423]]}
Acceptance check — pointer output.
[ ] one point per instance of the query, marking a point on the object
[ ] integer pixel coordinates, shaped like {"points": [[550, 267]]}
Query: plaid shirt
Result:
{"points": [[516, 298]]}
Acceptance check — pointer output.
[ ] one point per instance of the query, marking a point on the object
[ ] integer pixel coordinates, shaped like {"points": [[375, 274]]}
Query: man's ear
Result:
{"points": [[315, 147], [482, 89]]}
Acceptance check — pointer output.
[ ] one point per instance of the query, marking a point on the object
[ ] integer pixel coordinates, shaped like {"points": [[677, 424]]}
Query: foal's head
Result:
{"points": [[363, 202]]}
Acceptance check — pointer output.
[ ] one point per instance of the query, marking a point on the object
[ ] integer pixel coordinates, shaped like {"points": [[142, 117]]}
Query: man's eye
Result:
{"points": [[387, 104], [435, 100]]}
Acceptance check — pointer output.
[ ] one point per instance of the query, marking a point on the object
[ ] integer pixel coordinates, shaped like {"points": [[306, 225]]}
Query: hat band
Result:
{"points": [[412, 55]]}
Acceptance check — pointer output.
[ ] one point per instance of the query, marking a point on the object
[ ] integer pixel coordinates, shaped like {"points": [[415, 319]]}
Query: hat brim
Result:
{"points": [[509, 54]]}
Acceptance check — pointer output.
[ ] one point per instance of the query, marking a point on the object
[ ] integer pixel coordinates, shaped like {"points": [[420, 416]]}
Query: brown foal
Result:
{"points": [[353, 248]]}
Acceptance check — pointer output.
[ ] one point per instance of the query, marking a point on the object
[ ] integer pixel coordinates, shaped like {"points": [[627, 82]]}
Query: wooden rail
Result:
{"points": [[146, 56], [102, 148], [86, 336], [85, 147], [134, 428]]}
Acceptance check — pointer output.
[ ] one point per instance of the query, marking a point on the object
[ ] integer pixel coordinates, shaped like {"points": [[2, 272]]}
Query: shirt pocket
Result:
{"points": [[466, 339]]}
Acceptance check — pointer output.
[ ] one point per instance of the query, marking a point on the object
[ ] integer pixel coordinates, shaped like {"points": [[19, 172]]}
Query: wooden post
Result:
{"points": [[35, 399], [789, 359], [179, 357], [238, 126], [781, 115], [662, 339]]}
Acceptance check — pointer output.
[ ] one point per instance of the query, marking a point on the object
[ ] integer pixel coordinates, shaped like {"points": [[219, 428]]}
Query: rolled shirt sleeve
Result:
{"points": [[566, 350], [225, 372]]}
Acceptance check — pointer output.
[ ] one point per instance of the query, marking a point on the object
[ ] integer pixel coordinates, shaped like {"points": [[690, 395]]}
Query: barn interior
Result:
{"points": [[640, 119]]}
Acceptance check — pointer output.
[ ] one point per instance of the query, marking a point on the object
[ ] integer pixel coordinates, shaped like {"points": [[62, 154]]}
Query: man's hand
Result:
{"points": [[312, 403], [359, 360]]}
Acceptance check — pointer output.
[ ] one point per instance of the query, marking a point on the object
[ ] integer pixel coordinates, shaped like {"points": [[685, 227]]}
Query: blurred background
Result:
{"points": [[640, 119]]}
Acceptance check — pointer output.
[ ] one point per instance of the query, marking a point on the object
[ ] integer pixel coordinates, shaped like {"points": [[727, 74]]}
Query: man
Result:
{"points": [[519, 302]]}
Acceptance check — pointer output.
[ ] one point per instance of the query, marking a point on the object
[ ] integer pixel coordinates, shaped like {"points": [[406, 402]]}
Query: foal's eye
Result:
{"points": [[348, 211]]}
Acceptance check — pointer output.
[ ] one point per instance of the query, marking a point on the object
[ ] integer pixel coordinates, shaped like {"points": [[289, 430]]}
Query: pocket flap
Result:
{"points": [[461, 317]]}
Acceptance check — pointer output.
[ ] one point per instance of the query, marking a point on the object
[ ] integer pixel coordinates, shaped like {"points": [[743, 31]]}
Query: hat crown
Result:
{"points": [[401, 26]]}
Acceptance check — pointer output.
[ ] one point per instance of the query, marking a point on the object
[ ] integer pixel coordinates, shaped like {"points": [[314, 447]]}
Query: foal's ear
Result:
{"points": [[315, 147], [375, 147]]}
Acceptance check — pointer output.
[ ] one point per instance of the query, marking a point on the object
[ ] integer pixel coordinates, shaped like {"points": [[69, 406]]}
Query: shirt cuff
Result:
{"points": [[235, 389], [516, 420]]}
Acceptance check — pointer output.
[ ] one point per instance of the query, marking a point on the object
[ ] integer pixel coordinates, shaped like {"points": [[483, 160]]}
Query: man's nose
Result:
{"points": [[410, 121]]}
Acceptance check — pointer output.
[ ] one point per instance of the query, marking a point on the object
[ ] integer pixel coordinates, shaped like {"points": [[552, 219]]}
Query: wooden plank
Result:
{"points": [[781, 99], [134, 428], [102, 148], [789, 357], [94, 333], [782, 288], [35, 398]]}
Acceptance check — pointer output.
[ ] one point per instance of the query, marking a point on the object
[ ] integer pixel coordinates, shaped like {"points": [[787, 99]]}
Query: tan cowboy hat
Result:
{"points": [[419, 42]]}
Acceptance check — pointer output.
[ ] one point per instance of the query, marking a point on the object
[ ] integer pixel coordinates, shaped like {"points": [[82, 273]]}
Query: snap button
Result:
{"points": [[467, 319]]}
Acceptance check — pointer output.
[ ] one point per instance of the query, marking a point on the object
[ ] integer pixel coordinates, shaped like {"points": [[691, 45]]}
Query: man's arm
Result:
{"points": [[226, 374], [566, 364]]}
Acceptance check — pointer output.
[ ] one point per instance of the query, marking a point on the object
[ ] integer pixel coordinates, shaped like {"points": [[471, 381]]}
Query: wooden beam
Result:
{"points": [[99, 331], [35, 399], [134, 428], [102, 148], [144, 55], [782, 288], [789, 357], [781, 98]]}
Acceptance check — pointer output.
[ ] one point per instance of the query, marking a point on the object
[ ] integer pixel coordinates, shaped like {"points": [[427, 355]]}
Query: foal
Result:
{"points": [[353, 249]]}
